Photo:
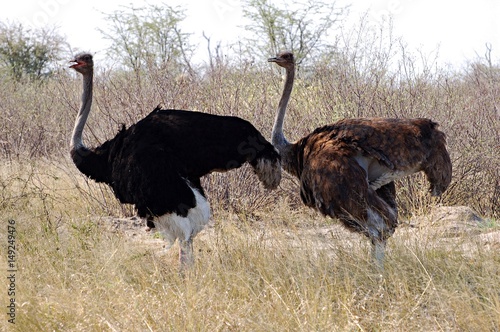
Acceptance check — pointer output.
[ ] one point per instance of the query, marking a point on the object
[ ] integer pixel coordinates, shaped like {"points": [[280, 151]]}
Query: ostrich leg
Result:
{"points": [[186, 256], [378, 253]]}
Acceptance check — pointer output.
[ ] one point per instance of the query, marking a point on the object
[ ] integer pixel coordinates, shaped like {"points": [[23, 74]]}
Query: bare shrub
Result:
{"points": [[369, 73]]}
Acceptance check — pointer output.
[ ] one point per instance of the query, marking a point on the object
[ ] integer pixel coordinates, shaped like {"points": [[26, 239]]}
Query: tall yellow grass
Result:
{"points": [[283, 269]]}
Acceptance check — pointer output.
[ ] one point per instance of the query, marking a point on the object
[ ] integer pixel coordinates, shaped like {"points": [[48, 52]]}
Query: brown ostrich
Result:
{"points": [[347, 169], [156, 164]]}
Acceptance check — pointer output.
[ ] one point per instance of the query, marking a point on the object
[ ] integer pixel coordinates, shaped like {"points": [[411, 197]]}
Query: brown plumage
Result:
{"points": [[347, 169]]}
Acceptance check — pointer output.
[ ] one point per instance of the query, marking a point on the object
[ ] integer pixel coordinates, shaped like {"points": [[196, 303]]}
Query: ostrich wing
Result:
{"points": [[332, 181], [150, 177]]}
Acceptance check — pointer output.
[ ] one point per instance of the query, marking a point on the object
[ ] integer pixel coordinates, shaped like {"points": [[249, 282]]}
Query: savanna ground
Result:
{"points": [[266, 263]]}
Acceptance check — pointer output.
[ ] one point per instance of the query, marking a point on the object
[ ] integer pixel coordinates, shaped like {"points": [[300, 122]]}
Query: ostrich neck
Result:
{"points": [[81, 119], [278, 138]]}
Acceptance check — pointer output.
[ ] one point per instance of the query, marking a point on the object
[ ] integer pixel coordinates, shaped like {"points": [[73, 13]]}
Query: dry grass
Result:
{"points": [[279, 270]]}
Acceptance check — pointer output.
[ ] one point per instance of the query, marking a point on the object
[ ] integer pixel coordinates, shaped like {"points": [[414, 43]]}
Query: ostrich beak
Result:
{"points": [[275, 59], [75, 63]]}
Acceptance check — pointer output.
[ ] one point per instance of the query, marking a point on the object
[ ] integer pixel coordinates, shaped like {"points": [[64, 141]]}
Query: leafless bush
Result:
{"points": [[362, 78]]}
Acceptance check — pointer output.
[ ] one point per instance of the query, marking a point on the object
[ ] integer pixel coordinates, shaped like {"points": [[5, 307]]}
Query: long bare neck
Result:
{"points": [[278, 138], [76, 137]]}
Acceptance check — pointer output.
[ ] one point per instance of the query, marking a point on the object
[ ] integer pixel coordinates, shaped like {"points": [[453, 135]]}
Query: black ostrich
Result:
{"points": [[347, 169], [156, 164]]}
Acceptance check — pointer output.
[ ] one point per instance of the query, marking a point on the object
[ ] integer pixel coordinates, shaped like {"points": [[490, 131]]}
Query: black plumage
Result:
{"points": [[150, 163]]}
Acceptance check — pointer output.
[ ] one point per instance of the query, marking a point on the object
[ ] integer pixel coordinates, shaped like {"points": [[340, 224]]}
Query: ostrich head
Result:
{"points": [[284, 59], [83, 63]]}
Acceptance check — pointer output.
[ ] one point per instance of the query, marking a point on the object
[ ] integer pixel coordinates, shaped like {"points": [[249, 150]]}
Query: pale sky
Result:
{"points": [[460, 28]]}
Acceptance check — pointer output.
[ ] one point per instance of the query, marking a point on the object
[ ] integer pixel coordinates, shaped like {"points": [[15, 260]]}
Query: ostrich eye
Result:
{"points": [[287, 57]]}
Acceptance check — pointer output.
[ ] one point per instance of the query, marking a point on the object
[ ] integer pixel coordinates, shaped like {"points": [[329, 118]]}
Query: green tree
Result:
{"points": [[29, 53], [302, 28], [148, 36]]}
